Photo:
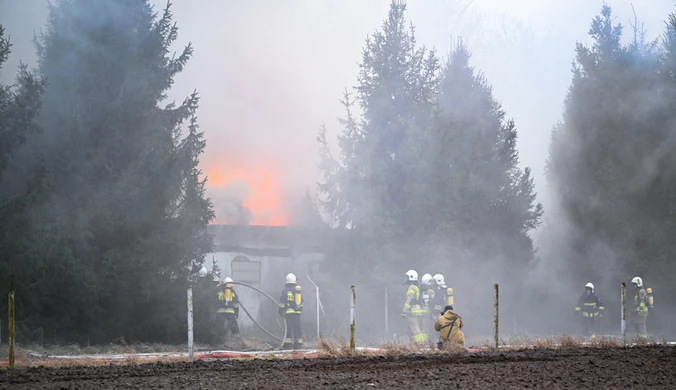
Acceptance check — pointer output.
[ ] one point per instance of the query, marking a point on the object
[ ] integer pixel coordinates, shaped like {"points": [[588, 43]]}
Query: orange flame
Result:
{"points": [[264, 198]]}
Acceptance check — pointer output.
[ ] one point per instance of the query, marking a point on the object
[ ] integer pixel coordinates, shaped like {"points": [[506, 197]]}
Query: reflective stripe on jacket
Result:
{"points": [[589, 306], [413, 302]]}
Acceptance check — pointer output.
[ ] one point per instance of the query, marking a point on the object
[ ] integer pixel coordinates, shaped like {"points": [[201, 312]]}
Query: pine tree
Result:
{"points": [[376, 185], [599, 154], [485, 203], [20, 184], [125, 222]]}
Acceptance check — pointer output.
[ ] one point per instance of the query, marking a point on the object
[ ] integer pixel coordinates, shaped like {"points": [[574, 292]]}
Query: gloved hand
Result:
{"points": [[404, 315], [600, 315], [237, 316]]}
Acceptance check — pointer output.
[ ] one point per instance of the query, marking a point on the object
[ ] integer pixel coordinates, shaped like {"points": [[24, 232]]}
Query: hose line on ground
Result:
{"points": [[254, 321], [259, 325]]}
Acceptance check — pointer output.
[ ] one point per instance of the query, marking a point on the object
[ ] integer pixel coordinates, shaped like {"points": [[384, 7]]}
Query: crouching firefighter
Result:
{"points": [[449, 326], [228, 310], [413, 311], [589, 308], [291, 306]]}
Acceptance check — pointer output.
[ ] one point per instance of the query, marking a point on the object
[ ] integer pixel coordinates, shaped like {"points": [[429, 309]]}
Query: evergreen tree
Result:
{"points": [[376, 186], [601, 162], [20, 185], [125, 222], [485, 204]]}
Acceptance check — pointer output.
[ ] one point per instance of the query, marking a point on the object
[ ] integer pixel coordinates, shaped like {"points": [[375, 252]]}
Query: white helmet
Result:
{"points": [[291, 278], [439, 279], [411, 276], [216, 278], [426, 279], [227, 280], [203, 272], [637, 281], [589, 285]]}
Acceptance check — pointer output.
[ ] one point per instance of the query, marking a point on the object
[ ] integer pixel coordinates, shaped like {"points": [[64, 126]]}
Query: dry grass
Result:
{"points": [[569, 342], [340, 348], [334, 348], [562, 341], [605, 342], [398, 349], [113, 348]]}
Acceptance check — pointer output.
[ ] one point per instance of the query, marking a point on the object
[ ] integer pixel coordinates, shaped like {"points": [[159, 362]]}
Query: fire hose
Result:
{"points": [[254, 321]]}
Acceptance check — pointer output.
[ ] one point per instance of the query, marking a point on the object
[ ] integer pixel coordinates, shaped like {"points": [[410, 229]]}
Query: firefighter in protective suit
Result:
{"points": [[228, 310], [589, 308], [413, 311], [427, 295], [443, 295], [643, 302], [291, 306], [449, 325]]}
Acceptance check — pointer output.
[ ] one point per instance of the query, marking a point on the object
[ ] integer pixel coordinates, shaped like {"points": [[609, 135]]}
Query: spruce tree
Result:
{"points": [[485, 203], [375, 187], [600, 164], [20, 182], [125, 222]]}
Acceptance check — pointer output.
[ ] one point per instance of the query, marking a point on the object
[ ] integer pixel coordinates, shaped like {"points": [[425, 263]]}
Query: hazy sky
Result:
{"points": [[270, 72]]}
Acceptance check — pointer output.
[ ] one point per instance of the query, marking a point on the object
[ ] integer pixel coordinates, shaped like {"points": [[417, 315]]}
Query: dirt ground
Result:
{"points": [[637, 367]]}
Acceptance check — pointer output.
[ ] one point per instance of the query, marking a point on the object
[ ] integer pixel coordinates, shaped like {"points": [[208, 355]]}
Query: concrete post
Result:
{"points": [[496, 311], [623, 319], [352, 318], [191, 354], [11, 328]]}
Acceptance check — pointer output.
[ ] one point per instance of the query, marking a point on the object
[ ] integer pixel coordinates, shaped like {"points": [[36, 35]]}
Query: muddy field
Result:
{"points": [[636, 367]]}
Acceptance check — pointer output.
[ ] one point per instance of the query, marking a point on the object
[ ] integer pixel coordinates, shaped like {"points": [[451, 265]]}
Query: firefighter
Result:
{"points": [[427, 296], [443, 295], [291, 306], [588, 309], [228, 310], [449, 325], [643, 302], [413, 311]]}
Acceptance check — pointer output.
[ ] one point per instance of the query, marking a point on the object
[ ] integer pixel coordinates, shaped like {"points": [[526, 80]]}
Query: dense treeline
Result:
{"points": [[428, 168], [612, 164], [427, 175], [102, 204], [103, 208]]}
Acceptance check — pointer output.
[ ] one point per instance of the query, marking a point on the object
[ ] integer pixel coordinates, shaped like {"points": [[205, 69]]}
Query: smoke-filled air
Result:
{"points": [[224, 175]]}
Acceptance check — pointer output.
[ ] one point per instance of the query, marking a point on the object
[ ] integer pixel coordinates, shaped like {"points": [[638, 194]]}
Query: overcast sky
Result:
{"points": [[270, 72]]}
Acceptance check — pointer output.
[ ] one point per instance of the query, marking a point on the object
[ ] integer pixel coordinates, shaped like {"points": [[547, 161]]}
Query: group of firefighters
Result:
{"points": [[290, 307], [590, 308], [428, 308]]}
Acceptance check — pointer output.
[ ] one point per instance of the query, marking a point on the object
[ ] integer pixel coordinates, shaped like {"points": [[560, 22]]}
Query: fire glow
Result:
{"points": [[264, 197]]}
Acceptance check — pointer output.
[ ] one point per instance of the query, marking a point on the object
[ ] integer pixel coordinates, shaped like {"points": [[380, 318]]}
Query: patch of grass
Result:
{"points": [[605, 342], [393, 348], [545, 343], [334, 348], [569, 342]]}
